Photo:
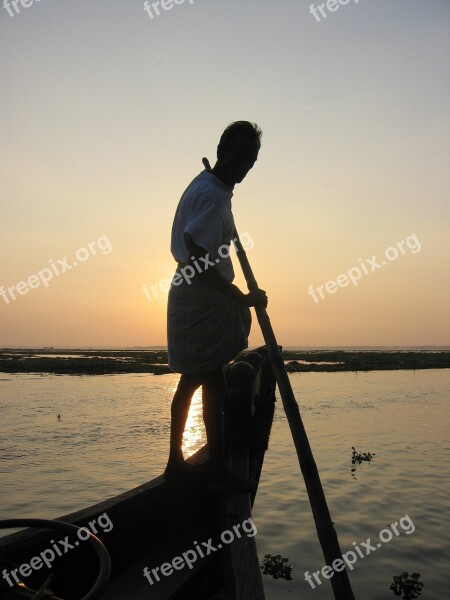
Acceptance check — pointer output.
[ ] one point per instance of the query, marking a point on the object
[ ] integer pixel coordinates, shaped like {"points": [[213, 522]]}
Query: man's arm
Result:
{"points": [[214, 278]]}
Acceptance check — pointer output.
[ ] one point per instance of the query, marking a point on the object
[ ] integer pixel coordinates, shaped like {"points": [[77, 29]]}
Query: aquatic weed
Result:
{"points": [[360, 457], [277, 566], [408, 585]]}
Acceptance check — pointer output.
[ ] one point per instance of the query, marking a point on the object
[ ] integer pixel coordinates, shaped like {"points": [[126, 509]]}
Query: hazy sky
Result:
{"points": [[105, 114]]}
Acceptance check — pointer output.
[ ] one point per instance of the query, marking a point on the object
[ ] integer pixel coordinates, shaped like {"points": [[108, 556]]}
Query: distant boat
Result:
{"points": [[159, 520]]}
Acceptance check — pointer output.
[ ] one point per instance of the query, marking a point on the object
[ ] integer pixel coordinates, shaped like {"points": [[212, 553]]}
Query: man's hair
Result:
{"points": [[236, 130]]}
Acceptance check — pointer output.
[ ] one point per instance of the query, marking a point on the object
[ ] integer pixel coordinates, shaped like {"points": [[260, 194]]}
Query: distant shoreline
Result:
{"points": [[297, 348], [105, 362]]}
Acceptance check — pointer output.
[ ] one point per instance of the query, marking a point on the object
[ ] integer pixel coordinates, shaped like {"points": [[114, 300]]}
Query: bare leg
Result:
{"points": [[213, 396], [179, 413]]}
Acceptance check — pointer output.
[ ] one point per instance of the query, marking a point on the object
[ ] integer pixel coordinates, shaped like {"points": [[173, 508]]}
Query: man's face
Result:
{"points": [[239, 159]]}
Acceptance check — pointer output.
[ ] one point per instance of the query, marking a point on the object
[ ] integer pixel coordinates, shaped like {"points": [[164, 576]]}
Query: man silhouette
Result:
{"points": [[208, 319]]}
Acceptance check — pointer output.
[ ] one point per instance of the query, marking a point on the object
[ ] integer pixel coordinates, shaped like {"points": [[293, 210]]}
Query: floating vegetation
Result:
{"points": [[358, 458], [277, 566], [408, 585]]}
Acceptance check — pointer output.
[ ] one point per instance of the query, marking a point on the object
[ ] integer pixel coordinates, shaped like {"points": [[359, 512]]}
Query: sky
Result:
{"points": [[106, 110]]}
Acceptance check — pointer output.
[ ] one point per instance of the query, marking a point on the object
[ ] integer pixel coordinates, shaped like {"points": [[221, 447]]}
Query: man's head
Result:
{"points": [[237, 151]]}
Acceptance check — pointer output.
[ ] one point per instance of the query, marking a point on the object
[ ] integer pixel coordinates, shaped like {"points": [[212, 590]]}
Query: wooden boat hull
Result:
{"points": [[161, 519]]}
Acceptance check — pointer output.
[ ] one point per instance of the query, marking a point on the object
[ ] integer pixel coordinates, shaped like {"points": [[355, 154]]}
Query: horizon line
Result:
{"points": [[160, 347]]}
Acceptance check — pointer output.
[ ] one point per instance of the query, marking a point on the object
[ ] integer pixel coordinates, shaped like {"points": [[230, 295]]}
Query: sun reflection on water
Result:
{"points": [[194, 433]]}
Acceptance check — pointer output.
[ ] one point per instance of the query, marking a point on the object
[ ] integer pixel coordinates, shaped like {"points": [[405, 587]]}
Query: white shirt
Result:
{"points": [[204, 212]]}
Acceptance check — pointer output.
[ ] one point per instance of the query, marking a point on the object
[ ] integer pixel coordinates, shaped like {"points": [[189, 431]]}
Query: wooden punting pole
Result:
{"points": [[324, 525]]}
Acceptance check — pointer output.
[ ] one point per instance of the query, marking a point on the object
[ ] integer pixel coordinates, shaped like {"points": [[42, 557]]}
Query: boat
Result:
{"points": [[166, 539]]}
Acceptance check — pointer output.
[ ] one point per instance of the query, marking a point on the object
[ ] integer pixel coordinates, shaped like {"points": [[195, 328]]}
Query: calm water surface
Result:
{"points": [[113, 435]]}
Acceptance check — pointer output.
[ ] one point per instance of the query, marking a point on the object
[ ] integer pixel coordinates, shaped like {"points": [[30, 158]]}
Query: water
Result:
{"points": [[113, 435]]}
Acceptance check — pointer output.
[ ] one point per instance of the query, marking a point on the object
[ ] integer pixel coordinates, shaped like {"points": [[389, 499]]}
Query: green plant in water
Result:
{"points": [[408, 585], [277, 566], [360, 457]]}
